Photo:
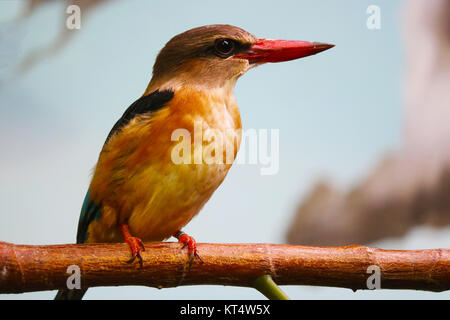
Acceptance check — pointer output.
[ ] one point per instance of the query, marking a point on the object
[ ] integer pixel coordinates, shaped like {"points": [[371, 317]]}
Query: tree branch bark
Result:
{"points": [[25, 268]]}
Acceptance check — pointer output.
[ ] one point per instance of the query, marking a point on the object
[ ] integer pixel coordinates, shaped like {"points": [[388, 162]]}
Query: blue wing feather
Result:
{"points": [[90, 211]]}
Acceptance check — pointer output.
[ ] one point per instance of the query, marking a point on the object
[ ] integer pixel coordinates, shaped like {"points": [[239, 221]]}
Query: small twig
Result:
{"points": [[25, 268], [269, 288]]}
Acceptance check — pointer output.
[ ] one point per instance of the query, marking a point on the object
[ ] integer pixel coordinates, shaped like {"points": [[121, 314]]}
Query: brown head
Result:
{"points": [[217, 55]]}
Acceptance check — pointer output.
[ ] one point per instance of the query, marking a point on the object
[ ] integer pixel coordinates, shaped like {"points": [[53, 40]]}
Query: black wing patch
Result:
{"points": [[150, 103]]}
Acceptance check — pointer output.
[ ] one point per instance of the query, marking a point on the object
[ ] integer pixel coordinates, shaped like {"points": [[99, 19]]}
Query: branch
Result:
{"points": [[25, 268]]}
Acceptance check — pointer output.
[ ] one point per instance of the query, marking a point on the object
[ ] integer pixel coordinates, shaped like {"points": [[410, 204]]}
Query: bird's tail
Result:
{"points": [[88, 212], [67, 294]]}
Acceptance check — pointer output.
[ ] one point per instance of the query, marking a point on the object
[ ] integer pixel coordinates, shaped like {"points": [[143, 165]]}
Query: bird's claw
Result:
{"points": [[194, 255], [190, 243], [136, 246]]}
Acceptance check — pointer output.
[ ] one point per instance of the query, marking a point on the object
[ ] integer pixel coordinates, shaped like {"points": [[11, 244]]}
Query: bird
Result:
{"points": [[138, 193]]}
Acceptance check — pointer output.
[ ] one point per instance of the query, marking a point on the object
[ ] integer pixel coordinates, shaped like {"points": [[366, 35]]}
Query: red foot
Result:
{"points": [[189, 242], [136, 244]]}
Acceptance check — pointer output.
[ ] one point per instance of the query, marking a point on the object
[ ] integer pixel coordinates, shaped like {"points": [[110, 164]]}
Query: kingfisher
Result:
{"points": [[138, 192]]}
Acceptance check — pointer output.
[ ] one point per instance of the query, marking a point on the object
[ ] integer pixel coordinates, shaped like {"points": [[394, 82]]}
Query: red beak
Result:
{"points": [[265, 50]]}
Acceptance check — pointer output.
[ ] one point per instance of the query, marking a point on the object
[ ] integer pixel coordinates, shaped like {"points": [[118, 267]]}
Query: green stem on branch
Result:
{"points": [[269, 288]]}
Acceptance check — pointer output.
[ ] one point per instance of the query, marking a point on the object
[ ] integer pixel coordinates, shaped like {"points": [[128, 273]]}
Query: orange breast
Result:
{"points": [[137, 179]]}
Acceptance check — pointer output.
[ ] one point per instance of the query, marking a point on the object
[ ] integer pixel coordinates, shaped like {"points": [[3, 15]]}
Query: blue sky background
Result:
{"points": [[338, 112]]}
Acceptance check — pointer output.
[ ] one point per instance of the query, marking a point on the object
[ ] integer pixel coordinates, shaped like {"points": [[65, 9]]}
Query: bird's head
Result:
{"points": [[217, 55]]}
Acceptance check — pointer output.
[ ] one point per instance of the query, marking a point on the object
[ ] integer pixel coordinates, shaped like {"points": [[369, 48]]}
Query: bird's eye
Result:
{"points": [[224, 47]]}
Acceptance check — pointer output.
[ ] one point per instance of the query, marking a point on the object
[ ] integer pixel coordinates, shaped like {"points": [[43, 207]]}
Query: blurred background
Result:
{"points": [[364, 133]]}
